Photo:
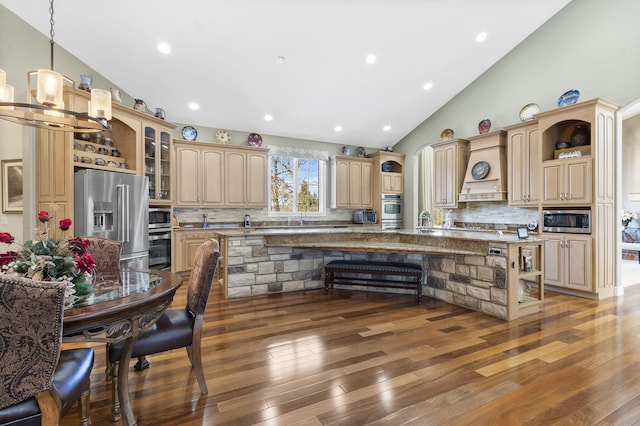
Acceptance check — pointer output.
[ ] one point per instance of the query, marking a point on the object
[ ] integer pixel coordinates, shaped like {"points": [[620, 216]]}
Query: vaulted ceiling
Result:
{"points": [[301, 61]]}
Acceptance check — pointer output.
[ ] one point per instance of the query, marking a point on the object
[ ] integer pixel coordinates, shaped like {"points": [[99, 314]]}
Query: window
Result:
{"points": [[297, 184]]}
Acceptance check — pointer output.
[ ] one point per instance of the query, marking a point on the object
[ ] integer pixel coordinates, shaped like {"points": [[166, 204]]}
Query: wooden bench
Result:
{"points": [[374, 274]]}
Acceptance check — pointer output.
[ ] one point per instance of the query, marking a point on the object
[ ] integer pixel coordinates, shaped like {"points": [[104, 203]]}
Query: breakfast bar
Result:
{"points": [[483, 271]]}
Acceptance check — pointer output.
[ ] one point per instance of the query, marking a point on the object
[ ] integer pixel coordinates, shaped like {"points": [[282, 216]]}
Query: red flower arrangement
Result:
{"points": [[47, 258]]}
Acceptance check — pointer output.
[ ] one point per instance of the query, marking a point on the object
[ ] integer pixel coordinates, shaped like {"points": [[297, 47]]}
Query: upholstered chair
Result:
{"points": [[178, 328], [39, 383], [105, 252]]}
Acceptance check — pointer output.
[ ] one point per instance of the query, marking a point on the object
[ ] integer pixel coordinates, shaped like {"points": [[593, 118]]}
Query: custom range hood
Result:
{"points": [[486, 177]]}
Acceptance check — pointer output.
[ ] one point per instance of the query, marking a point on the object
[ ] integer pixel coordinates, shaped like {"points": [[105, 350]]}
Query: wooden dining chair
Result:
{"points": [[105, 252], [177, 328], [39, 383]]}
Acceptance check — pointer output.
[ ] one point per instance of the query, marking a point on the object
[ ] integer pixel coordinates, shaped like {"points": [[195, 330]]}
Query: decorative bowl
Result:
{"points": [[82, 136], [484, 126], [254, 139], [446, 135]]}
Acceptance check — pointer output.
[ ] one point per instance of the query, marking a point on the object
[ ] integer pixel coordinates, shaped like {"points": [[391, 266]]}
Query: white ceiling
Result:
{"points": [[224, 57]]}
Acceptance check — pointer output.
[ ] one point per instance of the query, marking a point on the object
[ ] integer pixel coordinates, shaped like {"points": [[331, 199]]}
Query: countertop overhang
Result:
{"points": [[433, 241]]}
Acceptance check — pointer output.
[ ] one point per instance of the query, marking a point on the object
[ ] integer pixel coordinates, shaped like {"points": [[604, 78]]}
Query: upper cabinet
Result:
{"points": [[567, 182], [352, 179], [212, 175], [523, 164], [449, 167], [245, 178], [388, 173], [157, 163]]}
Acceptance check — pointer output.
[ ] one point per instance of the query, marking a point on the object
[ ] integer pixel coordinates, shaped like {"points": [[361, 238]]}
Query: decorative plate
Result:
{"points": [[446, 135], [254, 139], [222, 136], [346, 150], [529, 111], [362, 152], [480, 170], [569, 97], [484, 126], [189, 133]]}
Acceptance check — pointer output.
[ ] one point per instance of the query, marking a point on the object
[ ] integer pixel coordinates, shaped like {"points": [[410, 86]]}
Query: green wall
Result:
{"points": [[590, 45]]}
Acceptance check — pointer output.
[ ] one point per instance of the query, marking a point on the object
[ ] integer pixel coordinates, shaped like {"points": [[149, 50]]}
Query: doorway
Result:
{"points": [[629, 196]]}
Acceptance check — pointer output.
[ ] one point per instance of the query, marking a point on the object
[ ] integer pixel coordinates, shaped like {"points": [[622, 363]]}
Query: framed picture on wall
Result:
{"points": [[12, 196]]}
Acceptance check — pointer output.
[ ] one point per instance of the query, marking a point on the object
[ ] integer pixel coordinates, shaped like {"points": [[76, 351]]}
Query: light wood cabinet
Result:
{"points": [[586, 181], [157, 162], [352, 182], [449, 167], [522, 273], [54, 180], [213, 176], [568, 261], [245, 179], [392, 183], [185, 243], [567, 182], [523, 151]]}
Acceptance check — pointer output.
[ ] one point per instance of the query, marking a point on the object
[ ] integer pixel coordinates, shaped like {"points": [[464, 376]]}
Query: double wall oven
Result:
{"points": [[160, 238], [391, 211]]}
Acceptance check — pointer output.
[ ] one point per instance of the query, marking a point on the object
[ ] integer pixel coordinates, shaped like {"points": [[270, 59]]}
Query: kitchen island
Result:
{"points": [[483, 271]]}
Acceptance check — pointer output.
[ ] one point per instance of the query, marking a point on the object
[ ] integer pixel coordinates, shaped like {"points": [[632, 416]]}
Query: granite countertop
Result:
{"points": [[453, 233]]}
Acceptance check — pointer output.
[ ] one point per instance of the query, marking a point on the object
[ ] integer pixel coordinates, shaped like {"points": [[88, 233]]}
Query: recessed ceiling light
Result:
{"points": [[427, 86], [338, 128], [386, 128], [371, 59], [481, 37], [268, 117], [280, 59], [194, 106], [164, 48]]}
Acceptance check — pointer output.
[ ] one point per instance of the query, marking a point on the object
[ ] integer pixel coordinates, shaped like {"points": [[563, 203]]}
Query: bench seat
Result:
{"points": [[374, 274]]}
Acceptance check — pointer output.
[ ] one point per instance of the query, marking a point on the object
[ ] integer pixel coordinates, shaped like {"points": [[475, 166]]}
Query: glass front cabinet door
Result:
{"points": [[157, 165]]}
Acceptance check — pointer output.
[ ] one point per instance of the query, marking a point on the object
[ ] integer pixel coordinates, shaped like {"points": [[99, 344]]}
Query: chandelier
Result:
{"points": [[48, 110]]}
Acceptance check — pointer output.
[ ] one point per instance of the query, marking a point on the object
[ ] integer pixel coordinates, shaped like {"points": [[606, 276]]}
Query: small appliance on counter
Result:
{"points": [[247, 221], [365, 217]]}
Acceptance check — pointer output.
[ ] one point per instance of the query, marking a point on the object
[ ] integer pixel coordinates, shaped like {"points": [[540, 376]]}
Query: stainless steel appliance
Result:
{"points": [[159, 217], [160, 238], [574, 221], [115, 206], [391, 211], [365, 217], [390, 224]]}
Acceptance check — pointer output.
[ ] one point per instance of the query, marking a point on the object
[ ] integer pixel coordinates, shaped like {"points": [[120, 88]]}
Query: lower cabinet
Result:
{"points": [[568, 261], [185, 243]]}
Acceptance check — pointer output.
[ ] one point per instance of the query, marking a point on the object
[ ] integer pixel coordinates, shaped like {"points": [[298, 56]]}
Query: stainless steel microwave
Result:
{"points": [[574, 221], [365, 216]]}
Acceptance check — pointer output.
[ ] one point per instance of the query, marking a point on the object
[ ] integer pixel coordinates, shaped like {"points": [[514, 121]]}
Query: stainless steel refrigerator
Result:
{"points": [[114, 205]]}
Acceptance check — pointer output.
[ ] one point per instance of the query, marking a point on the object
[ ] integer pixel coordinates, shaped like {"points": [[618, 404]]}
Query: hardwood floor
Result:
{"points": [[355, 358]]}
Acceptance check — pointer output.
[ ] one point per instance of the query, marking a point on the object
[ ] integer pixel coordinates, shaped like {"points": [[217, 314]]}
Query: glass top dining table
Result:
{"points": [[121, 305]]}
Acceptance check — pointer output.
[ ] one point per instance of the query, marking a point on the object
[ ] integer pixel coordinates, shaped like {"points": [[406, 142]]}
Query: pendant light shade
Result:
{"points": [[49, 88], [100, 104], [6, 90]]}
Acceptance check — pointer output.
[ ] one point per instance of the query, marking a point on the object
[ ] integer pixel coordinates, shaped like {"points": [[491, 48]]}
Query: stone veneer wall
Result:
{"points": [[476, 282]]}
